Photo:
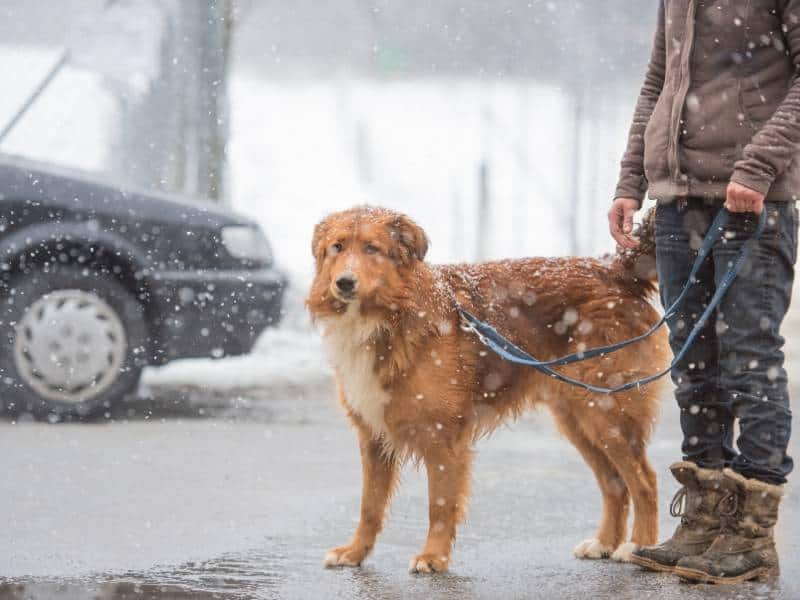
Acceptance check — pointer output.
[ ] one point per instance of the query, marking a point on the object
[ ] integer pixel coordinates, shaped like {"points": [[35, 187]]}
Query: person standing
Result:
{"points": [[717, 123]]}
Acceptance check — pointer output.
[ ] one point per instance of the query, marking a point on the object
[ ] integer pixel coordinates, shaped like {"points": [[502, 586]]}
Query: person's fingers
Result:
{"points": [[620, 223], [730, 198], [614, 223], [627, 225], [615, 218], [744, 204], [734, 200], [742, 199], [624, 241]]}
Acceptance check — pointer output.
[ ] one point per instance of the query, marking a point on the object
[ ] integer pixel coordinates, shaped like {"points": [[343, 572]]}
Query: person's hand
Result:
{"points": [[741, 198], [620, 221]]}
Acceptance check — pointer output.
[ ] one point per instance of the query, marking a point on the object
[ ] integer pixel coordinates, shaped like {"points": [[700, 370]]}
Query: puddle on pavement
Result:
{"points": [[252, 575]]}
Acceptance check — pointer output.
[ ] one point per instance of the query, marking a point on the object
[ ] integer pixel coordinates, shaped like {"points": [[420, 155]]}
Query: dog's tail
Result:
{"points": [[636, 267]]}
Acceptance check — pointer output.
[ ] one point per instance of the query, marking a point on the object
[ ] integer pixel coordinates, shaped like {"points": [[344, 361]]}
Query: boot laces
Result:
{"points": [[677, 508], [728, 504], [726, 508]]}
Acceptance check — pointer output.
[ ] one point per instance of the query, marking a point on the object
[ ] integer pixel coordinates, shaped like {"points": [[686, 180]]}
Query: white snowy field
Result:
{"points": [[301, 149]]}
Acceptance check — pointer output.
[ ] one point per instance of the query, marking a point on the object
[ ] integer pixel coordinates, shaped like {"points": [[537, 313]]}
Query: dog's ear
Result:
{"points": [[411, 236], [318, 241]]}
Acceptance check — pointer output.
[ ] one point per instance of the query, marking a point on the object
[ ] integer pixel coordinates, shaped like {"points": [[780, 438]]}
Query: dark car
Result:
{"points": [[97, 281]]}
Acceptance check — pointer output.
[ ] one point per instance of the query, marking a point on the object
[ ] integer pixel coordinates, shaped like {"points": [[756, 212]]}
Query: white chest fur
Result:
{"points": [[347, 339]]}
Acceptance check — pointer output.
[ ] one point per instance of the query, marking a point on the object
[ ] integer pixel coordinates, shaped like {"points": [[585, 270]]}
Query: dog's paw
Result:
{"points": [[592, 549], [344, 556], [429, 563], [624, 552]]}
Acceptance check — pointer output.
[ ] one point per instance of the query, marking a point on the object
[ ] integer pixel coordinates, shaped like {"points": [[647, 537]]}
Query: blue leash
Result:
{"points": [[507, 350]]}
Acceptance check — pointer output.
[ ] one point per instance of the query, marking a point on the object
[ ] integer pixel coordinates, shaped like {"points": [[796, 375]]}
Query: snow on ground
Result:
{"points": [[289, 356]]}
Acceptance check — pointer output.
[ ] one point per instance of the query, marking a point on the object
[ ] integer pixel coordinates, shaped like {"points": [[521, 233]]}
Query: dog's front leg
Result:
{"points": [[448, 494], [379, 472]]}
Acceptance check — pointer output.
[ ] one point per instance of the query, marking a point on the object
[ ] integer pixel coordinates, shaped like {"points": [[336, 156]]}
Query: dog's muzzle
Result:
{"points": [[345, 287]]}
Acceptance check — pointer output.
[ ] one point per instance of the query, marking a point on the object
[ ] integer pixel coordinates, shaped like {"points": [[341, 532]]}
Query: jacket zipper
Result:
{"points": [[680, 97]]}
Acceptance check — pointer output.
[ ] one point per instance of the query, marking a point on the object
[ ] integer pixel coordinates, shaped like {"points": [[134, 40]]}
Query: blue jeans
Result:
{"points": [[734, 370]]}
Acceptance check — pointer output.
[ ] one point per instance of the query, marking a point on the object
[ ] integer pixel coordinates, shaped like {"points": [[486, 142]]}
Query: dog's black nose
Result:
{"points": [[346, 283]]}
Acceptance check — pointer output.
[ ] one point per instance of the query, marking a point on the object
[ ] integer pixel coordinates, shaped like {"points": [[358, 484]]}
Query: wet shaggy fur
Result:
{"points": [[416, 385]]}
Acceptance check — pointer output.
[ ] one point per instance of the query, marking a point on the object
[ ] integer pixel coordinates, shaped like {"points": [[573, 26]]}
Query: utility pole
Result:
{"points": [[174, 135], [484, 190], [205, 46], [576, 172], [483, 211]]}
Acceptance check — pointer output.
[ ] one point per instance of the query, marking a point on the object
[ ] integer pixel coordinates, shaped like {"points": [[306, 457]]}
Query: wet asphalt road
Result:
{"points": [[199, 495]]}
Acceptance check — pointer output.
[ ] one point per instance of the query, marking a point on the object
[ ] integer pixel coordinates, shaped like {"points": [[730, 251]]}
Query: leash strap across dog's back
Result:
{"points": [[507, 350]]}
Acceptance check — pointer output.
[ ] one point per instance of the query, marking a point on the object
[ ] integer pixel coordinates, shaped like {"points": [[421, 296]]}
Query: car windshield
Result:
{"points": [[69, 124]]}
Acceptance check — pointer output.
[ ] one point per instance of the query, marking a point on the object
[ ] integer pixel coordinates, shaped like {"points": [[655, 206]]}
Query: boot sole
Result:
{"points": [[761, 573], [651, 565]]}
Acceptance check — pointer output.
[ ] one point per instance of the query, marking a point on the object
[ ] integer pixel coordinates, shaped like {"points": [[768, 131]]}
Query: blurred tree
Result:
{"points": [[173, 133]]}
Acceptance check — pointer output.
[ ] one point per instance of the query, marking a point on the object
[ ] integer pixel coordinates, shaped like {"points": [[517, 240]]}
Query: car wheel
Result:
{"points": [[73, 343]]}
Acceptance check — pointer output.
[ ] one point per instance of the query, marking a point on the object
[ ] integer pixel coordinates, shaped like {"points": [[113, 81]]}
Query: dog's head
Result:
{"points": [[364, 255]]}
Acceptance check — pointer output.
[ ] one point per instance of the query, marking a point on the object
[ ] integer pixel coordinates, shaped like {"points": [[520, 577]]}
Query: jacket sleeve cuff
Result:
{"points": [[759, 183], [631, 187]]}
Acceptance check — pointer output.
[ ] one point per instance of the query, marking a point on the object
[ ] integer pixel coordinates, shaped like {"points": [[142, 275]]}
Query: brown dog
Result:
{"points": [[416, 385]]}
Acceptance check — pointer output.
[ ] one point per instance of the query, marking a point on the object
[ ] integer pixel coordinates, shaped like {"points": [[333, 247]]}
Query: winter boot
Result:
{"points": [[695, 504], [745, 547]]}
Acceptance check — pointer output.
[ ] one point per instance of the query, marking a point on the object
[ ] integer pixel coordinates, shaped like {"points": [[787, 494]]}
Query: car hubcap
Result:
{"points": [[69, 346]]}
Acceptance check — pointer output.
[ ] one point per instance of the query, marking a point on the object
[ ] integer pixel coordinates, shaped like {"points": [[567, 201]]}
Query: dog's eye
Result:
{"points": [[335, 249], [372, 249]]}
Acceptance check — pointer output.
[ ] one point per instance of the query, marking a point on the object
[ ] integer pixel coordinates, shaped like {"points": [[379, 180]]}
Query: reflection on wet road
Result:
{"points": [[187, 494]]}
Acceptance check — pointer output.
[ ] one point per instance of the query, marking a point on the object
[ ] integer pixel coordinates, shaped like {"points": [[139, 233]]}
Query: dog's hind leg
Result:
{"points": [[380, 474], [624, 444], [616, 499], [641, 480], [448, 469]]}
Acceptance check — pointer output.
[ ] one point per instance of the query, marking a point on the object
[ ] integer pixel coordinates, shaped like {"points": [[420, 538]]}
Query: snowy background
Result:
{"points": [[304, 143]]}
